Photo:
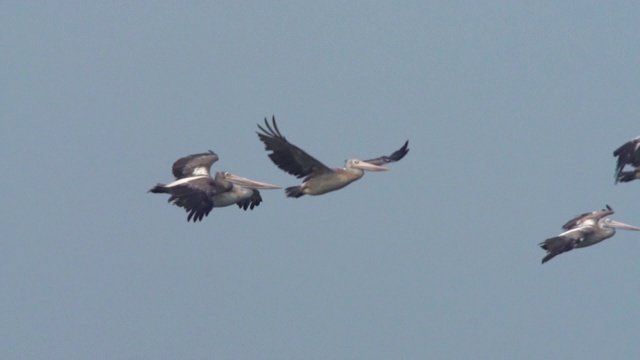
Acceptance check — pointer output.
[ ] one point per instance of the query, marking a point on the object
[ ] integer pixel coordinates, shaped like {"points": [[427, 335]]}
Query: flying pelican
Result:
{"points": [[318, 178], [628, 154], [197, 192], [584, 230]]}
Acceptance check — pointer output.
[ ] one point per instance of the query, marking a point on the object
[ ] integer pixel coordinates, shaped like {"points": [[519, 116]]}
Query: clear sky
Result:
{"points": [[512, 112]]}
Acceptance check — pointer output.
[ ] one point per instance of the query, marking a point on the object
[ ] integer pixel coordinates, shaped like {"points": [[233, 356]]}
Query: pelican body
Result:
{"points": [[628, 154], [584, 230], [318, 178], [332, 180], [198, 193]]}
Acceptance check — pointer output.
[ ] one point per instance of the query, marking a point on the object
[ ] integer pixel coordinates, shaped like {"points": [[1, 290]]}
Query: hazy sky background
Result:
{"points": [[512, 112]]}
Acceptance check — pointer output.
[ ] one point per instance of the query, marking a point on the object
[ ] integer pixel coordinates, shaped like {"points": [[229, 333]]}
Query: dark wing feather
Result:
{"points": [[287, 156], [563, 243], [196, 204], [395, 156], [556, 246], [249, 203], [628, 154], [196, 197], [184, 167], [627, 176]]}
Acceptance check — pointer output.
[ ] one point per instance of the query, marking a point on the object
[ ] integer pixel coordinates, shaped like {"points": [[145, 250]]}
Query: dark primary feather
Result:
{"points": [[286, 155], [197, 204], [558, 245], [627, 176], [395, 156], [195, 197], [628, 154], [564, 242], [185, 166], [251, 202]]}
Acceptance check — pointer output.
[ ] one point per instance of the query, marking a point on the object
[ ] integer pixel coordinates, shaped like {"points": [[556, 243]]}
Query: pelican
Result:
{"points": [[318, 178], [198, 193], [628, 154], [584, 230]]}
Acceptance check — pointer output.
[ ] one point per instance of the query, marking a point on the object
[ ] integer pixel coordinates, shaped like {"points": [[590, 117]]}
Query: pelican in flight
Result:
{"points": [[318, 178], [628, 154], [198, 193], [584, 230]]}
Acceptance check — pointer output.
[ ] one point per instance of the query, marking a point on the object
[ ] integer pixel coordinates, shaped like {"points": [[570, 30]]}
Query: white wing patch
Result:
{"points": [[185, 180], [200, 170], [575, 232]]}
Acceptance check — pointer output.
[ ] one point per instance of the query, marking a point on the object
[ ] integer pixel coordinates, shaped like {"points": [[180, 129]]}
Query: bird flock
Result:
{"points": [[197, 192], [593, 227]]}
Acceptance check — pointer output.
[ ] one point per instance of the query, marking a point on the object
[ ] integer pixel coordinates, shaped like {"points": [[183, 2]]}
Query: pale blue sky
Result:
{"points": [[512, 112]]}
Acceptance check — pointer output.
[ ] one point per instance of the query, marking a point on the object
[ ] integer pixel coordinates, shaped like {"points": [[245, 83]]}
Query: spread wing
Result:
{"points": [[287, 156], [195, 197], [587, 218], [564, 242], [628, 154], [395, 156], [196, 164]]}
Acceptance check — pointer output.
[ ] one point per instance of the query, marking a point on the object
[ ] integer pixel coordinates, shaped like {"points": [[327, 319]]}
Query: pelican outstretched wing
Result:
{"points": [[564, 242], [196, 204], [587, 218], [395, 156], [195, 197], [286, 155], [196, 164]]}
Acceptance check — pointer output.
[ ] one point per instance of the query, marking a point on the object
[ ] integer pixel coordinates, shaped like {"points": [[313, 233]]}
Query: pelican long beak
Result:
{"points": [[623, 226], [248, 183], [368, 166]]}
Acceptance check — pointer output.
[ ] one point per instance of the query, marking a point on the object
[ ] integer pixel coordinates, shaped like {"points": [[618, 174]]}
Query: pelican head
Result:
{"points": [[363, 165], [618, 225], [244, 182]]}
